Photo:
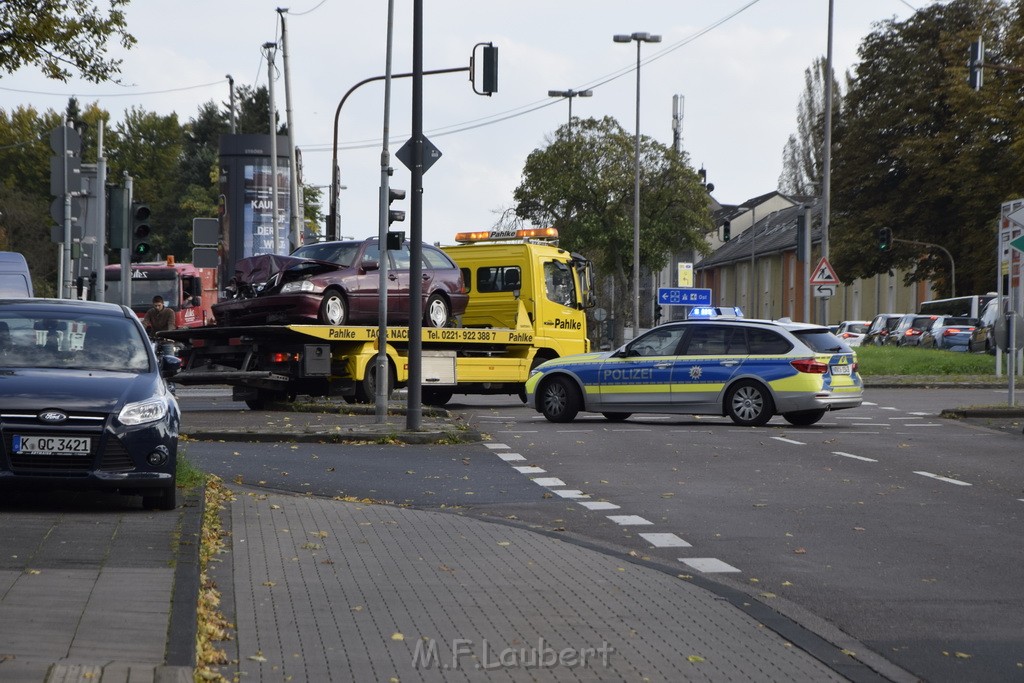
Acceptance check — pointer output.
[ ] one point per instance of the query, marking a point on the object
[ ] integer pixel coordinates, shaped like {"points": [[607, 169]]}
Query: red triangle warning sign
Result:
{"points": [[823, 274]]}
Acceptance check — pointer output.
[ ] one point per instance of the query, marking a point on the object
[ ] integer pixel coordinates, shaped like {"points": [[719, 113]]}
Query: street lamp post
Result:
{"points": [[569, 94], [639, 38]]}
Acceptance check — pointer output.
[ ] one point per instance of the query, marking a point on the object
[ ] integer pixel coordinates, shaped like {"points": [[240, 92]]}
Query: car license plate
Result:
{"points": [[842, 369], [52, 445]]}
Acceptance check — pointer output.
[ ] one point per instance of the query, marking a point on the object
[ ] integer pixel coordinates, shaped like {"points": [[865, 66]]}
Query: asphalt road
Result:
{"points": [[883, 522]]}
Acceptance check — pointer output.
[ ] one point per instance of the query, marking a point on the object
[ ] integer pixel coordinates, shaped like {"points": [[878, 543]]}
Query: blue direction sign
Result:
{"points": [[684, 296]]}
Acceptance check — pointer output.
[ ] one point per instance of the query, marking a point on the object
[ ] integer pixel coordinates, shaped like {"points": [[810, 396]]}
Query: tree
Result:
{"points": [[148, 147], [582, 183], [922, 153], [254, 111], [802, 156], [62, 37]]}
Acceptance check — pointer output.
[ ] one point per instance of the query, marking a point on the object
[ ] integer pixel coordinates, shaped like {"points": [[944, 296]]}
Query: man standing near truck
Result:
{"points": [[159, 318]]}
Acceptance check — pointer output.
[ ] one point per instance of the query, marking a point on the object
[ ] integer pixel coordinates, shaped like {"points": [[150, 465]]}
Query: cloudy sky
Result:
{"points": [[739, 65]]}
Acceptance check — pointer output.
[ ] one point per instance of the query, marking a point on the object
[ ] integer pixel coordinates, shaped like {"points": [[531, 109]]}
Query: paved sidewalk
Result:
{"points": [[329, 591]]}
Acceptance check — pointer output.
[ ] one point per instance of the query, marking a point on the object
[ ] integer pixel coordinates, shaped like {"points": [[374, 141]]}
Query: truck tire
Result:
{"points": [[333, 308], [437, 396], [366, 390], [437, 313]]}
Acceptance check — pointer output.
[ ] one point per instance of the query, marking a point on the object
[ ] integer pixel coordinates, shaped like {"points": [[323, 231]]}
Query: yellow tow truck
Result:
{"points": [[527, 303]]}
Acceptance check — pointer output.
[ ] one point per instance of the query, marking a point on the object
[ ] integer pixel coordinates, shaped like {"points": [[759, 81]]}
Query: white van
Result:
{"points": [[15, 280]]}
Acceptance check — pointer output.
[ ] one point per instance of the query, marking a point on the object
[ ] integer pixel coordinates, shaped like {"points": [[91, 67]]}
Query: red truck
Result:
{"points": [[190, 291]]}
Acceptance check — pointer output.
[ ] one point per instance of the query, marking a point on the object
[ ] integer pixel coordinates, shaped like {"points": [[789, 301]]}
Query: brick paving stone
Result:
{"points": [[360, 591]]}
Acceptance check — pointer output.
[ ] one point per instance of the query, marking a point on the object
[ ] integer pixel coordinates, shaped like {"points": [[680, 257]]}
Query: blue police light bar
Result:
{"points": [[684, 296], [708, 312]]}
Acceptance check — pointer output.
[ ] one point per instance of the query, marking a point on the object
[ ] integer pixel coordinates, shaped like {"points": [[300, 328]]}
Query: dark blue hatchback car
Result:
{"points": [[84, 403]]}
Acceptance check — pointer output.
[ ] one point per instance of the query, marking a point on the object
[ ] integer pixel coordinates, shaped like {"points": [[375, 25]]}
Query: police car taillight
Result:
{"points": [[810, 366]]}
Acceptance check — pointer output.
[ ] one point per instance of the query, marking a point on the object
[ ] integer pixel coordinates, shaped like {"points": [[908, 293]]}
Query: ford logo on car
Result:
{"points": [[52, 416]]}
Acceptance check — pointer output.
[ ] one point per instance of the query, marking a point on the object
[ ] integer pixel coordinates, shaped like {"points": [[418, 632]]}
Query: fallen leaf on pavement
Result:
{"points": [[397, 636]]}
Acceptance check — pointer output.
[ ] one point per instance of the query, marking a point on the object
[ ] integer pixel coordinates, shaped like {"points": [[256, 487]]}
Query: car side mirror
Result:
{"points": [[371, 264], [197, 301], [169, 365]]}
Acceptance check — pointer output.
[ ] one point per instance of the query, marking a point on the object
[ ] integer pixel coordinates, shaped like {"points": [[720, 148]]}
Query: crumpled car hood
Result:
{"points": [[264, 274]]}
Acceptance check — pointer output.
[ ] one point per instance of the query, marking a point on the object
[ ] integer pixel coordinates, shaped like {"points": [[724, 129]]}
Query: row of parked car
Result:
{"points": [[948, 332]]}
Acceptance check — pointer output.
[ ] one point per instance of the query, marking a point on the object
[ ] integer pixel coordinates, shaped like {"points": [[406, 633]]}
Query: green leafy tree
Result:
{"points": [[582, 183], [62, 38], [148, 147], [802, 156], [25, 227], [922, 153], [254, 111]]}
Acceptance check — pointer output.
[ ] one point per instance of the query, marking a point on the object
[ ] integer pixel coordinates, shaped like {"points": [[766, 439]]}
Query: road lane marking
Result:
{"points": [[922, 424], [548, 481], [945, 479], [913, 417], [569, 493], [629, 520], [708, 565], [921, 414], [868, 403], [599, 505], [784, 440], [529, 469], [887, 408], [855, 457], [495, 446], [665, 541], [510, 457]]}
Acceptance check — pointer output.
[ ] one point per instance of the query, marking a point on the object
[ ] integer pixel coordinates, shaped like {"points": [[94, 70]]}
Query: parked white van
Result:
{"points": [[15, 280]]}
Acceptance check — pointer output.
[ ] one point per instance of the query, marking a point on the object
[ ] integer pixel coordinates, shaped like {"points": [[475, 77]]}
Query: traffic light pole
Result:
{"points": [[332, 218], [952, 264]]}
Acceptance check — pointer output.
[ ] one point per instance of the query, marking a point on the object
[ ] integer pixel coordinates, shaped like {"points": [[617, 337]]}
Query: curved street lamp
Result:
{"points": [[639, 38]]}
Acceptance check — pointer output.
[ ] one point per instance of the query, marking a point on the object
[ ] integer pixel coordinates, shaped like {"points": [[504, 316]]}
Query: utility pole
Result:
{"points": [[293, 177], [269, 48], [231, 95]]}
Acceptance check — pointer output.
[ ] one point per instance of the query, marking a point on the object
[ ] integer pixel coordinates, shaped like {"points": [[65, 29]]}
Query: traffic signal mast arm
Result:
{"points": [[952, 264]]}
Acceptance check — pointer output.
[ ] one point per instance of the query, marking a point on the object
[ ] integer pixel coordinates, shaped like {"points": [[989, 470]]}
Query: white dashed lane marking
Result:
{"points": [[569, 493], [945, 479], [665, 541], [785, 440], [629, 520], [529, 469], [548, 481], [599, 505], [510, 457], [708, 565], [495, 446], [855, 457]]}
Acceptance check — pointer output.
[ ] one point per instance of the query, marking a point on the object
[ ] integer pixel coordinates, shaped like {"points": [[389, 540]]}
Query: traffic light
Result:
{"points": [[117, 206], [395, 214], [726, 231], [884, 239], [657, 312], [976, 72], [801, 243], [140, 231]]}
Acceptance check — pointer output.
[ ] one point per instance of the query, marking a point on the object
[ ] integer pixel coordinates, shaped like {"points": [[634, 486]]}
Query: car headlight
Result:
{"points": [[141, 412], [297, 286]]}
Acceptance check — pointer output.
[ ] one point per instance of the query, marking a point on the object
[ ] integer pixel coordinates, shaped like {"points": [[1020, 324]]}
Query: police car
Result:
{"points": [[747, 369]]}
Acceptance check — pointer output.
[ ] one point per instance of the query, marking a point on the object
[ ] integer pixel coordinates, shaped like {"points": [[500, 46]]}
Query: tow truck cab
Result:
{"points": [[190, 291], [509, 274]]}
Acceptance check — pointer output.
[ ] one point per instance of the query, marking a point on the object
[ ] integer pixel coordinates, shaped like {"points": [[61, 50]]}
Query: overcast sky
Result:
{"points": [[739, 64]]}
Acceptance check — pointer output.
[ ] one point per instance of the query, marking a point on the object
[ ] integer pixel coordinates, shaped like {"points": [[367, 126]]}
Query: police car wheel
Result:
{"points": [[749, 404], [805, 418], [616, 417], [559, 400]]}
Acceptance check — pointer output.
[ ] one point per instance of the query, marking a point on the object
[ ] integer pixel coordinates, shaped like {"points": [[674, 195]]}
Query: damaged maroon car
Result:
{"points": [[336, 283]]}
